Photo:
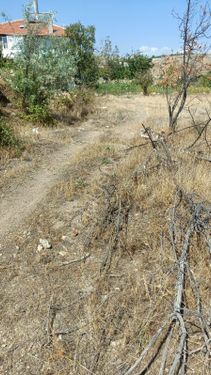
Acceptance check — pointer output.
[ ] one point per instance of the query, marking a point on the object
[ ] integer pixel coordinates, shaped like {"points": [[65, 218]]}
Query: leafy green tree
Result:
{"points": [[43, 66], [138, 63], [116, 67], [111, 63], [81, 44]]}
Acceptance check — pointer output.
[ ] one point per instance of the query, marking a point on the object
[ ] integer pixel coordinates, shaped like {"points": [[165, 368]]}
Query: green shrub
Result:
{"points": [[113, 66], [7, 138], [145, 80], [137, 63], [81, 45], [205, 80], [110, 64], [118, 68], [39, 113], [36, 79], [43, 67]]}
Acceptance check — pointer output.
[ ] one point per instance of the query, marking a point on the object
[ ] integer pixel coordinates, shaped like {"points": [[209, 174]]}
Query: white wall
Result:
{"points": [[12, 46]]}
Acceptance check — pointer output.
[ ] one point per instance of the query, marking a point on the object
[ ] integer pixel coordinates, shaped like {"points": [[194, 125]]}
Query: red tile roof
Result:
{"points": [[17, 28]]}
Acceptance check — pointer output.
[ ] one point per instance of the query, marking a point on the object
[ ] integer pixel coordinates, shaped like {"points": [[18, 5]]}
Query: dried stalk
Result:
{"points": [[200, 215]]}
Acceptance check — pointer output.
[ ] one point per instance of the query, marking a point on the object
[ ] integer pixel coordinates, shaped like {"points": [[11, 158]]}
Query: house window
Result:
{"points": [[4, 42]]}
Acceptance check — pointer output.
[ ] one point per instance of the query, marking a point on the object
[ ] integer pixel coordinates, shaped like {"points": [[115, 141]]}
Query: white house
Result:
{"points": [[12, 32]]}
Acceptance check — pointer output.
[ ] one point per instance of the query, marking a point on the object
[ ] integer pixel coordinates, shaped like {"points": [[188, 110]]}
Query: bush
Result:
{"points": [[116, 67], [7, 138], [81, 44], [137, 63], [205, 80], [39, 113], [77, 104], [145, 80], [36, 79], [42, 67]]}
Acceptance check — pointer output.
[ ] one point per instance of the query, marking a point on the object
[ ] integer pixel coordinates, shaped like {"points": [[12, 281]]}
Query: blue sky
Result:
{"points": [[131, 24]]}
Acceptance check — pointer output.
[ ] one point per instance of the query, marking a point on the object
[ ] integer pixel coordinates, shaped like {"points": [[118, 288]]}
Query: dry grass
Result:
{"points": [[96, 316], [129, 282], [73, 106], [138, 285]]}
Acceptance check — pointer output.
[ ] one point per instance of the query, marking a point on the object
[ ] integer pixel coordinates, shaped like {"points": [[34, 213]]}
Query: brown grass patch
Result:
{"points": [[117, 204]]}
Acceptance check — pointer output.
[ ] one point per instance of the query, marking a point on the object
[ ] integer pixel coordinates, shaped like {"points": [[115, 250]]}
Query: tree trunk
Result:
{"points": [[145, 91]]}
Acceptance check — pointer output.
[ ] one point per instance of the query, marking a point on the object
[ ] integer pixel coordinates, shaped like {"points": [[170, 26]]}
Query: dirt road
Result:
{"points": [[119, 115], [16, 206]]}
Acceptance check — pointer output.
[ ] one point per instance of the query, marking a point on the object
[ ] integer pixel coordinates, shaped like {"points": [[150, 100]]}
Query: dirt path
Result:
{"points": [[17, 205], [120, 115]]}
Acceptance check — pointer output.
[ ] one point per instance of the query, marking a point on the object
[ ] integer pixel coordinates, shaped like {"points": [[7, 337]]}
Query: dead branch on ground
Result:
{"points": [[171, 340], [201, 129]]}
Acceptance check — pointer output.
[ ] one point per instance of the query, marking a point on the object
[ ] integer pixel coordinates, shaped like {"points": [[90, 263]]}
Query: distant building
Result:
{"points": [[12, 32]]}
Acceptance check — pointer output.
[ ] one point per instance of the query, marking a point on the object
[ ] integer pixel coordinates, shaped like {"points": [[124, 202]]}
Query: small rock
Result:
{"points": [[45, 244], [75, 232], [63, 253], [39, 248], [66, 239]]}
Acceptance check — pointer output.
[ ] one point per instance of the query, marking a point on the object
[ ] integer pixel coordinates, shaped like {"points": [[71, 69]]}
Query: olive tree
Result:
{"points": [[42, 66]]}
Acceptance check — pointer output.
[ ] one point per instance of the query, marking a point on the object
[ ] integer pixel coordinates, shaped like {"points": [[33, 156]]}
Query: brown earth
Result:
{"points": [[60, 312], [19, 201]]}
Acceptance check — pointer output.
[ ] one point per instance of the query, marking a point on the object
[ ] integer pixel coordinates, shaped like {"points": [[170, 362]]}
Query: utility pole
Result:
{"points": [[36, 8]]}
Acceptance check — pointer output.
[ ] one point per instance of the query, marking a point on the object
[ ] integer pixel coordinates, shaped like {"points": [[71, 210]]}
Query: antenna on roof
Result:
{"points": [[36, 8]]}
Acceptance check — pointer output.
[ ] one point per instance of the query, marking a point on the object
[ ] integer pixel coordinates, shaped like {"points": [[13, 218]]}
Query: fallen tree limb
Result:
{"points": [[86, 256], [176, 357]]}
